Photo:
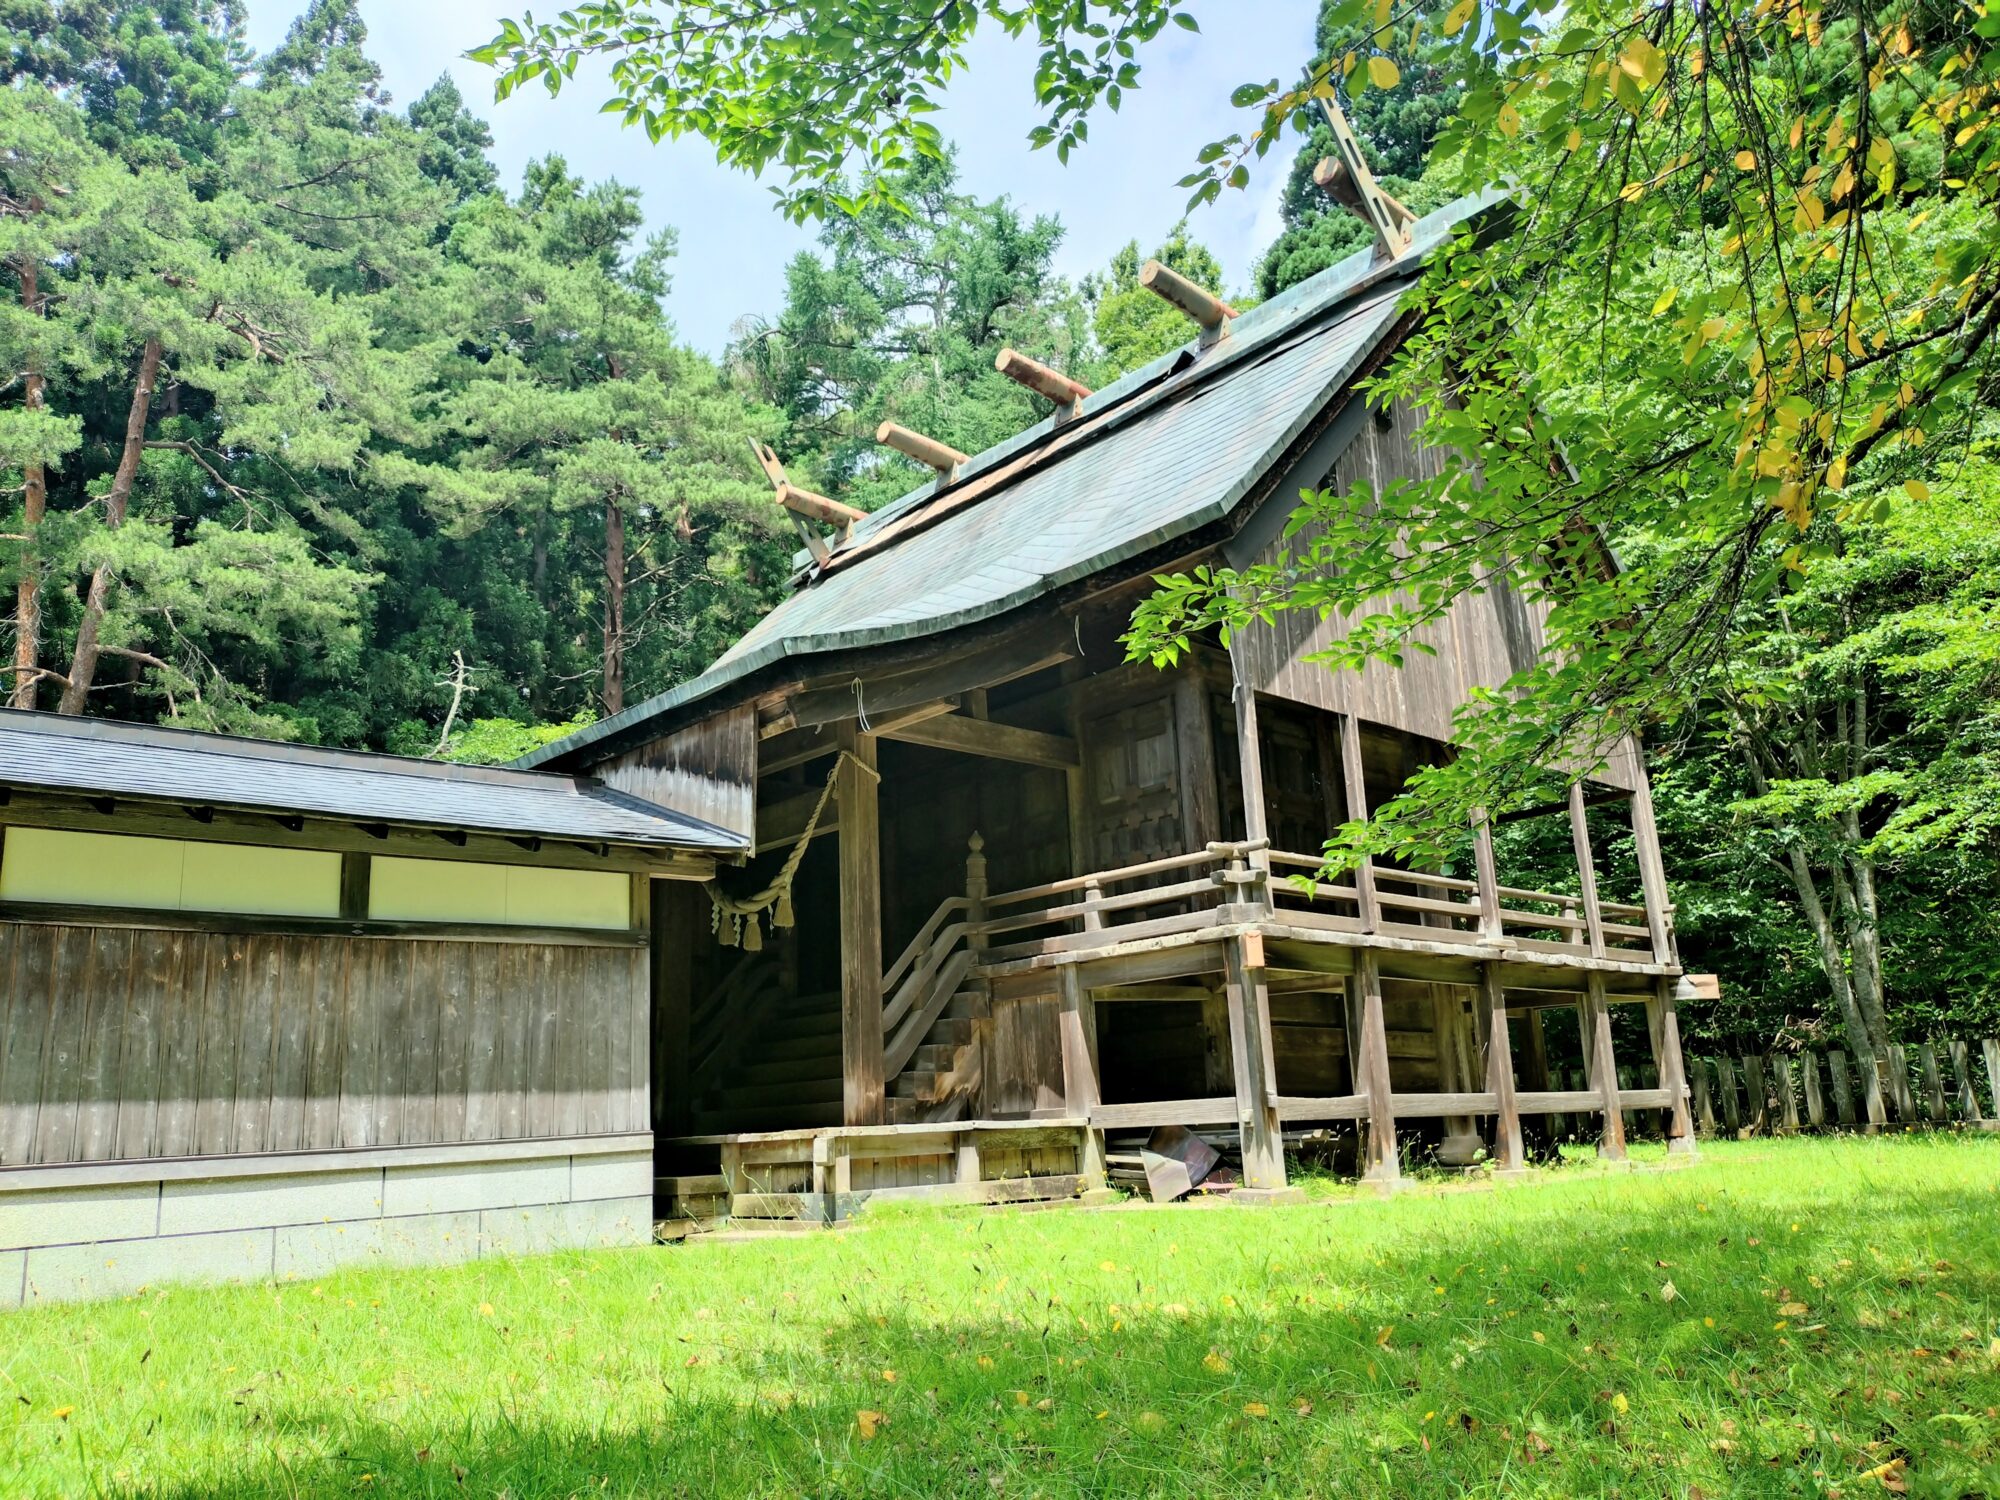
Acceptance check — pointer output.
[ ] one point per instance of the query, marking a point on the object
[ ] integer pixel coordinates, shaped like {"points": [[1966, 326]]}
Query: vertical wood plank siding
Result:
{"points": [[133, 1043], [1484, 640]]}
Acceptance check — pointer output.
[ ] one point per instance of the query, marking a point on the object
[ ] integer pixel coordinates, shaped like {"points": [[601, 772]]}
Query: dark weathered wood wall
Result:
{"points": [[1484, 640], [132, 1042], [707, 770]]}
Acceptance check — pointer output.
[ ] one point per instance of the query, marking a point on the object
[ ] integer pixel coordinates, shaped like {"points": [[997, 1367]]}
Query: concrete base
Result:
{"points": [[1460, 1150], [1510, 1174], [72, 1242], [1250, 1197], [1098, 1197], [1682, 1148]]}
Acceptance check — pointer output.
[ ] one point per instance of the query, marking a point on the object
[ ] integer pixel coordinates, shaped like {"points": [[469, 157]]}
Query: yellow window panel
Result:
{"points": [[91, 869], [567, 898], [436, 890], [268, 882]]}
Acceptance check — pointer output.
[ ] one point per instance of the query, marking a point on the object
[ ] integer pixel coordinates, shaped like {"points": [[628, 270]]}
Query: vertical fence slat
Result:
{"points": [[1905, 1102], [1843, 1090], [1961, 1072], [1927, 1065], [1703, 1100], [1732, 1112], [1809, 1086], [1757, 1096]]}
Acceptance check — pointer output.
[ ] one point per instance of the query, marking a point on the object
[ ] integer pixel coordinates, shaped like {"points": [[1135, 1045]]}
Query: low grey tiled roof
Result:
{"points": [[97, 757], [1161, 453]]}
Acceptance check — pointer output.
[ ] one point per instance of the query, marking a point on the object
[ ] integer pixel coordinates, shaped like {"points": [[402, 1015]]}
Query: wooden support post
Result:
{"points": [[1380, 1161], [1603, 1066], [1586, 869], [355, 871], [970, 1172], [1540, 1131], [1357, 811], [1990, 1050], [1256, 1082], [1078, 1023], [1218, 1059], [1508, 1151], [862, 1085], [1487, 877], [1843, 1089], [1250, 757], [1664, 1022], [1652, 871], [1458, 1073]]}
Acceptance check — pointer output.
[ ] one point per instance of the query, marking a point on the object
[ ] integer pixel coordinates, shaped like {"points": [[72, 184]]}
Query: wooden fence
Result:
{"points": [[1932, 1084]]}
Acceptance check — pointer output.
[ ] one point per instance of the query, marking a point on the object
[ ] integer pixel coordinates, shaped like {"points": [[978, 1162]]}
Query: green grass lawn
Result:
{"points": [[1779, 1320]]}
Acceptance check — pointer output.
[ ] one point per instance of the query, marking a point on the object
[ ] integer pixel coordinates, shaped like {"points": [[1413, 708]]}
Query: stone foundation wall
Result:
{"points": [[69, 1233]]}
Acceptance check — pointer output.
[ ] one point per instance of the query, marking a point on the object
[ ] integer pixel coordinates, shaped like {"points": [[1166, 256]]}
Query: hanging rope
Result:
{"points": [[734, 919]]}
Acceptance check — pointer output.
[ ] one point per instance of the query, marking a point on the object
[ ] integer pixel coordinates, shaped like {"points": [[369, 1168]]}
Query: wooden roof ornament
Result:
{"points": [[806, 506], [1345, 178], [1049, 384], [927, 451], [1207, 309]]}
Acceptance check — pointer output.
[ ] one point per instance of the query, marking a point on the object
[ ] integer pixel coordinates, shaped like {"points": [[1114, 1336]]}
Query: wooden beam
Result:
{"points": [[1665, 1026], [1209, 311], [985, 737], [1049, 384], [927, 451], [165, 819], [861, 1064], [1586, 870], [780, 823], [884, 726], [355, 872], [938, 675], [1652, 869]]}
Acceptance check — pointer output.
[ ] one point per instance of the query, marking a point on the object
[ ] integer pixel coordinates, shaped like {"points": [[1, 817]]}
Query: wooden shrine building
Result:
{"points": [[270, 1009], [1011, 893]]}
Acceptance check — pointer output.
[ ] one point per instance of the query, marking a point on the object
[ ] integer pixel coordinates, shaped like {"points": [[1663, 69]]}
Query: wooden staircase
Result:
{"points": [[941, 1080], [786, 1075]]}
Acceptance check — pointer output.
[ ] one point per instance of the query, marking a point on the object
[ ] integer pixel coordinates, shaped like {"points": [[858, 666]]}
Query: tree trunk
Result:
{"points": [[83, 662], [614, 606], [1865, 944], [35, 496], [1833, 961]]}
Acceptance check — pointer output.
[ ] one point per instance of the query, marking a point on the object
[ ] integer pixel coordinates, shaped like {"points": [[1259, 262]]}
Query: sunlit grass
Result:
{"points": [[1783, 1319]]}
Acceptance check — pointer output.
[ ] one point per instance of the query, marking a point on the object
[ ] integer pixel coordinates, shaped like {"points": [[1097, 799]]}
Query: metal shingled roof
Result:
{"points": [[98, 757], [1166, 450]]}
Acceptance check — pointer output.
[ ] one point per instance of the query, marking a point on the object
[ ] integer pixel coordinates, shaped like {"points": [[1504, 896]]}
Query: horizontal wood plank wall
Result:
{"points": [[122, 1043], [1481, 643], [707, 770]]}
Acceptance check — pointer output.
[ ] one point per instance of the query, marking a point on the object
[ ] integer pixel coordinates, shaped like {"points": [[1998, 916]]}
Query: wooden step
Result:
{"points": [[926, 1111], [913, 1083], [794, 1043], [968, 1005], [785, 1070], [955, 1031], [817, 1090]]}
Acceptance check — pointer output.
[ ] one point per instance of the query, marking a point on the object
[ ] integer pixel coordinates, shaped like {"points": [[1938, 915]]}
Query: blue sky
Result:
{"points": [[733, 247]]}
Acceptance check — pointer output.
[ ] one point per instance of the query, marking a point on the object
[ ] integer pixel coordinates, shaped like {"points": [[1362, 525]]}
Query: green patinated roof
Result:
{"points": [[1163, 452]]}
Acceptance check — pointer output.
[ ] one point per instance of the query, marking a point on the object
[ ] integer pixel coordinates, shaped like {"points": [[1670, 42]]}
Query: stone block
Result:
{"points": [[67, 1273], [13, 1273], [628, 1174], [78, 1215], [305, 1250], [211, 1205], [466, 1186], [567, 1226]]}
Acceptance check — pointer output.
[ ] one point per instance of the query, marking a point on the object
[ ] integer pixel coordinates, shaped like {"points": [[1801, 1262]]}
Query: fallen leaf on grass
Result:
{"points": [[1668, 1292], [1256, 1409], [869, 1423], [1217, 1364], [1382, 1338], [1792, 1310]]}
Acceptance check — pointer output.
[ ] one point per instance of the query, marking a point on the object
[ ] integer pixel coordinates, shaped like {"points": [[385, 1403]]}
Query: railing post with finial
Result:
{"points": [[975, 889]]}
